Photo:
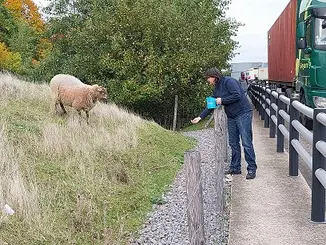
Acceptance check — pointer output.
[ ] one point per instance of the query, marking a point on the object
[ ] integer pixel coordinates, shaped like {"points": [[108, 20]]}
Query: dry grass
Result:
{"points": [[14, 190], [80, 138], [73, 183], [14, 89]]}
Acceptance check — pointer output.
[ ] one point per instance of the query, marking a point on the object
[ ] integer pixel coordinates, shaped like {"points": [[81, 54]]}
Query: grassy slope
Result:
{"points": [[199, 126], [70, 183]]}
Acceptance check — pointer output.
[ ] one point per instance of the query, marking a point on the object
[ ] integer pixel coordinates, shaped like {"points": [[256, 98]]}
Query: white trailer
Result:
{"points": [[252, 73], [263, 73]]}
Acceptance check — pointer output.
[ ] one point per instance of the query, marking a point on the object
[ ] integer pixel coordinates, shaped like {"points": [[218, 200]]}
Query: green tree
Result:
{"points": [[8, 24], [24, 41], [144, 51]]}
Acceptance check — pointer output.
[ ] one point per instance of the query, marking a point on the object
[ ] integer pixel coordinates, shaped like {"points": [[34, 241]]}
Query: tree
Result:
{"points": [[8, 25], [27, 11], [9, 60], [144, 51], [21, 34]]}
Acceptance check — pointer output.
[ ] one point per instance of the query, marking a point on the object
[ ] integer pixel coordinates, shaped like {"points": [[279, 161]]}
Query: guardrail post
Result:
{"points": [[294, 134], [259, 100], [280, 137], [263, 103], [318, 161], [253, 95], [267, 96], [272, 128]]}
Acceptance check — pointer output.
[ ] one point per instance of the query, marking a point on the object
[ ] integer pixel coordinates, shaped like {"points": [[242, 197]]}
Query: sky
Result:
{"points": [[40, 3], [257, 16]]}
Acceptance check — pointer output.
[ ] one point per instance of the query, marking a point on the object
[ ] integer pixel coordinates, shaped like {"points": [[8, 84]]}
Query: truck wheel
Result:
{"points": [[306, 121]]}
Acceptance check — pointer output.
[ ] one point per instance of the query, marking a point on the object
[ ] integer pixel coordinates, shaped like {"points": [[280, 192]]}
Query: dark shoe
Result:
{"points": [[231, 171], [251, 175]]}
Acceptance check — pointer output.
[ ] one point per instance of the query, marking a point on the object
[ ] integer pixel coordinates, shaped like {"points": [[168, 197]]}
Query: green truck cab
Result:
{"points": [[297, 52]]}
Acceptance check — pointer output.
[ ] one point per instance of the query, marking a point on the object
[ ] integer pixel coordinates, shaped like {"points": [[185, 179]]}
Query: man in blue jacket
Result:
{"points": [[229, 93]]}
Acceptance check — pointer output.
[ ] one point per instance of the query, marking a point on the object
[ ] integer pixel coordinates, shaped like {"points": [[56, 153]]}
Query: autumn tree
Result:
{"points": [[27, 11], [22, 36], [8, 26]]}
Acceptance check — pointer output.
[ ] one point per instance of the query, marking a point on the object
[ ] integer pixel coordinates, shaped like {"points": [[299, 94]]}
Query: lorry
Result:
{"points": [[263, 73], [252, 74], [260, 73], [297, 53]]}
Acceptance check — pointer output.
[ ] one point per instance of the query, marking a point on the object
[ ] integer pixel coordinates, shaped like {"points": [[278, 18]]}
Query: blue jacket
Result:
{"points": [[234, 100]]}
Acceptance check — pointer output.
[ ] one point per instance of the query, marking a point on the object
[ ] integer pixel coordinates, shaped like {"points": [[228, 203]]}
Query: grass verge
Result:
{"points": [[72, 183], [198, 126]]}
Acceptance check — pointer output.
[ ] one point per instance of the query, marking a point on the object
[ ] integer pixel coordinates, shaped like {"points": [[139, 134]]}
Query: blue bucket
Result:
{"points": [[211, 102]]}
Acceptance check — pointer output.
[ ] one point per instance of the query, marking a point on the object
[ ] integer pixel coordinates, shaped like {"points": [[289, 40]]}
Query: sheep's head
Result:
{"points": [[100, 93]]}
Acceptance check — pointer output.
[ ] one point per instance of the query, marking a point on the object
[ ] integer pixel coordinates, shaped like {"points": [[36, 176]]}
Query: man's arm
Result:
{"points": [[202, 115], [205, 113]]}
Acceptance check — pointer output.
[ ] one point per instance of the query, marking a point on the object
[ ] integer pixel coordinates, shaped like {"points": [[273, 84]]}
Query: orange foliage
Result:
{"points": [[27, 11]]}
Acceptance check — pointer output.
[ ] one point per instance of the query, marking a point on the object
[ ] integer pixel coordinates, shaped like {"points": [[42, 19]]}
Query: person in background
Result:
{"points": [[243, 82], [230, 94]]}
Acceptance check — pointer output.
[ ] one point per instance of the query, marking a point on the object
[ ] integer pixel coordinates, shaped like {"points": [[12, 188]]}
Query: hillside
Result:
{"points": [[73, 183]]}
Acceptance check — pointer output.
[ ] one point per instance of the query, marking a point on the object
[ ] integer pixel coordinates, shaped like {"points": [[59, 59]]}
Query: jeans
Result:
{"points": [[242, 127]]}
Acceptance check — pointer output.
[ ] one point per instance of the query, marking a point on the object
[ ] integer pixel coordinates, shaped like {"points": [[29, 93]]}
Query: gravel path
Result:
{"points": [[167, 224]]}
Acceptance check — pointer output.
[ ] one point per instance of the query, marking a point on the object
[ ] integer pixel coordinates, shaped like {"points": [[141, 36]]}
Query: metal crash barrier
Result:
{"points": [[277, 111]]}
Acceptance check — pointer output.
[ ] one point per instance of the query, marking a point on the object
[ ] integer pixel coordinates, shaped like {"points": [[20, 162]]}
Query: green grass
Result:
{"points": [[72, 183]]}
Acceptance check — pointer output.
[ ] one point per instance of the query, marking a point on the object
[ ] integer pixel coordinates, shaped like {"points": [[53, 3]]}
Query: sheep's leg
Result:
{"points": [[79, 113], [56, 104], [87, 116], [63, 108], [56, 107]]}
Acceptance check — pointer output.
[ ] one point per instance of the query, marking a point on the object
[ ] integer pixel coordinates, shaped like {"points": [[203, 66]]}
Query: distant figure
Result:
{"points": [[243, 82]]}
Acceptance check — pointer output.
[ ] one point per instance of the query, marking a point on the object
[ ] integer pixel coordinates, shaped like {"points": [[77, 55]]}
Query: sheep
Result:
{"points": [[70, 91]]}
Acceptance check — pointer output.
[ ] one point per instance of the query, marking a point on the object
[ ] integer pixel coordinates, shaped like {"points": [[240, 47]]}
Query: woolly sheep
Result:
{"points": [[70, 91]]}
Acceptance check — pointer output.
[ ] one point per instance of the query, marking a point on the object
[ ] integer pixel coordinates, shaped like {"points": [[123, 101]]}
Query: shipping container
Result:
{"points": [[282, 46]]}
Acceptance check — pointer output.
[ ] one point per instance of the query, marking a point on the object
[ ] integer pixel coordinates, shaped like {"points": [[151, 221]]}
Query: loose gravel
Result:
{"points": [[167, 223]]}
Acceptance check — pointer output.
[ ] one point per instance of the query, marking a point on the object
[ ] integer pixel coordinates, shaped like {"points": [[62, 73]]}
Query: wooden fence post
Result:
{"points": [[221, 155], [209, 121], [175, 115], [194, 188]]}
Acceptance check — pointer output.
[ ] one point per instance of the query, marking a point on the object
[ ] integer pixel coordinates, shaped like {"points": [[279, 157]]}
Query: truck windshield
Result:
{"points": [[320, 35]]}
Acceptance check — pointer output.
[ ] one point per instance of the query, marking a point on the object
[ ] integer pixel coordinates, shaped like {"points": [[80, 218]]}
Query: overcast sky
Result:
{"points": [[258, 16]]}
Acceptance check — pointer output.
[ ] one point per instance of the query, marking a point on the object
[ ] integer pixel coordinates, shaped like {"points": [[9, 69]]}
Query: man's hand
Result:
{"points": [[219, 101], [195, 120]]}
